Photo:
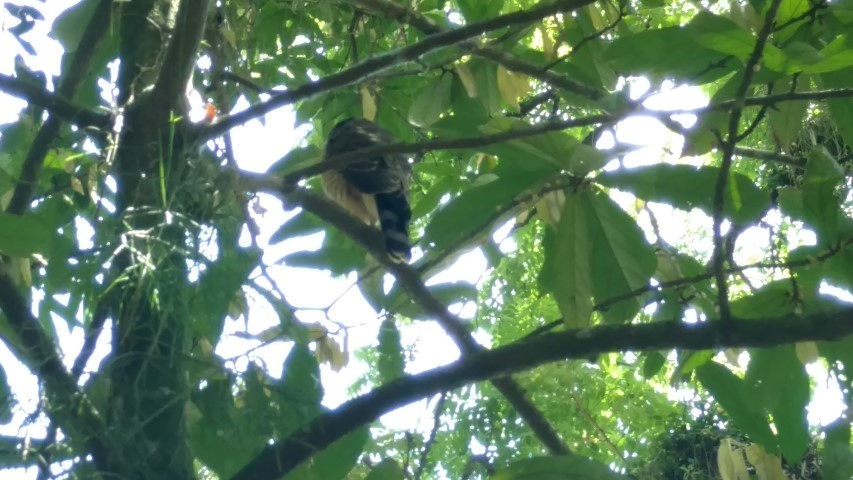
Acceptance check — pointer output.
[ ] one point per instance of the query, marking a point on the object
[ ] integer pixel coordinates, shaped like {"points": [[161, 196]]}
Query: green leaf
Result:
{"points": [[569, 275], [225, 437], [300, 391], [722, 34], [786, 119], [297, 158], [301, 224], [448, 293], [771, 300], [21, 236], [821, 206], [686, 187], [685, 58], [338, 259], [391, 362], [554, 150], [653, 364], [486, 77], [476, 10], [782, 386], [334, 462], [68, 26], [841, 109], [216, 289], [467, 216], [837, 462], [386, 470], [568, 467], [6, 398], [432, 102], [622, 259], [738, 400]]}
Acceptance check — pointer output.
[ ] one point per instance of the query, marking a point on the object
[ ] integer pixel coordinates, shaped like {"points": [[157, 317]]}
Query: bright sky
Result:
{"points": [[256, 148]]}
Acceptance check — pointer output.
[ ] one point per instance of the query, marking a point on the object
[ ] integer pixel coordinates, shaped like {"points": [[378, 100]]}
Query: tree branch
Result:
{"points": [[66, 403], [278, 459], [718, 258], [373, 66], [181, 53], [371, 240], [54, 103]]}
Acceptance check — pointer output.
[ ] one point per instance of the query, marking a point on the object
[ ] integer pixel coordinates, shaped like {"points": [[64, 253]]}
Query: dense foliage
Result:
{"points": [[633, 221]]}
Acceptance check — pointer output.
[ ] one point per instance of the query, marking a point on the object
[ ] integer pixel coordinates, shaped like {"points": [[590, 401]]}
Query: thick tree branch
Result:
{"points": [[54, 103], [371, 240], [512, 62], [375, 65], [66, 404], [718, 257], [181, 53], [280, 458]]}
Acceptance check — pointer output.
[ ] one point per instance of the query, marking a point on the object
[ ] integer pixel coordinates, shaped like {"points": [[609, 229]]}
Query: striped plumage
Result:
{"points": [[374, 189]]}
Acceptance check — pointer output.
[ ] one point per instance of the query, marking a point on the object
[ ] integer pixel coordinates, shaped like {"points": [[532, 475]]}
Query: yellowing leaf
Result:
{"points": [[767, 466], [229, 36], [730, 462], [368, 103], [550, 206], [511, 86], [548, 46], [77, 186], [467, 79], [806, 352], [316, 331]]}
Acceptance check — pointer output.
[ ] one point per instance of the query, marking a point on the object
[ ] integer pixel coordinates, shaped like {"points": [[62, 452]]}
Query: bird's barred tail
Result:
{"points": [[394, 217]]}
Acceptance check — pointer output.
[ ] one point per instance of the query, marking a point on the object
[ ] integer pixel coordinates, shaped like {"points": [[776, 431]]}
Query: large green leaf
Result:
{"points": [[555, 150], [391, 363], [738, 400], [686, 187], [216, 289], [568, 467], [723, 35], [568, 271], [841, 109], [386, 470], [821, 205], [431, 102], [301, 224], [476, 10], [786, 119], [685, 58], [782, 386], [334, 462], [466, 216], [299, 392], [21, 236], [225, 437], [622, 260]]}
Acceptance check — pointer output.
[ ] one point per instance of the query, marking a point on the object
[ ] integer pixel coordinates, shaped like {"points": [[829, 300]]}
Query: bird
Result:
{"points": [[375, 188]]}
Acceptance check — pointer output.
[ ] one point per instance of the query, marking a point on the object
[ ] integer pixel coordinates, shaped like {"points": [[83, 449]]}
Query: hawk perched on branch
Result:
{"points": [[374, 189]]}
